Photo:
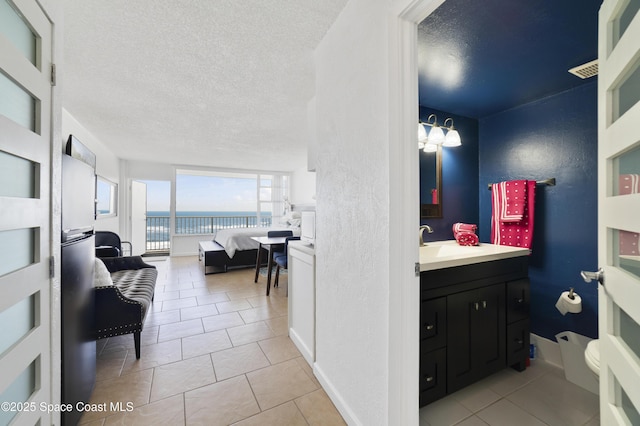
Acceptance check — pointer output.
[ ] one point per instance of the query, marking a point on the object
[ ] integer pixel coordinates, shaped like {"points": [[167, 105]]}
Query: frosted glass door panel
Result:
{"points": [[627, 168], [16, 104], [626, 253], [13, 27], [626, 406], [629, 332], [17, 249], [21, 316], [625, 17], [18, 177], [19, 391], [628, 93], [628, 172]]}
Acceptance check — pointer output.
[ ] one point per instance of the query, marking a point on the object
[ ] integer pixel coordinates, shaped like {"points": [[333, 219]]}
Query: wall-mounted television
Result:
{"points": [[77, 150]]}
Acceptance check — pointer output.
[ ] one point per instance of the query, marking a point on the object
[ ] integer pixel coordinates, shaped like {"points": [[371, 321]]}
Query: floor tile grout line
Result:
{"points": [[184, 407], [524, 408], [263, 321], [300, 410], [506, 397], [255, 397]]}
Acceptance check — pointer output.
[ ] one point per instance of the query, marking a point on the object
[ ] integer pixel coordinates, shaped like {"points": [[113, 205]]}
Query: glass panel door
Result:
{"points": [[25, 213], [618, 207]]}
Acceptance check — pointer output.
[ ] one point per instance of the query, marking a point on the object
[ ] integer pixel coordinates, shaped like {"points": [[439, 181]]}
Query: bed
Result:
{"points": [[233, 247]]}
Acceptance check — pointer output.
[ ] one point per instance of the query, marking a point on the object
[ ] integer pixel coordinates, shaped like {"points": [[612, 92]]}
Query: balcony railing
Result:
{"points": [[158, 227]]}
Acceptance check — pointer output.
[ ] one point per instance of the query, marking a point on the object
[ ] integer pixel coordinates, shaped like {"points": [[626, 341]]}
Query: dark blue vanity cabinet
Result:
{"points": [[474, 321]]}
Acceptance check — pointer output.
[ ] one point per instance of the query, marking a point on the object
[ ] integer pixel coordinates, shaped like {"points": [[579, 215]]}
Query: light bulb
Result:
{"points": [[452, 138], [436, 135], [422, 134], [429, 147]]}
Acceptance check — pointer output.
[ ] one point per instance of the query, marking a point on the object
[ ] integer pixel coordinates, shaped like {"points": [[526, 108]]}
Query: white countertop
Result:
{"points": [[445, 254]]}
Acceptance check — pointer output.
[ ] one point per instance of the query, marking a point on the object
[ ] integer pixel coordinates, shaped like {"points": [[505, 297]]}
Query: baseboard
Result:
{"points": [[547, 350], [306, 352], [336, 398]]}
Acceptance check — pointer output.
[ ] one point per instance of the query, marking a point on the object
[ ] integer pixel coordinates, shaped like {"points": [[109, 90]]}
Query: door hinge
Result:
{"points": [[52, 267], [53, 75], [417, 269]]}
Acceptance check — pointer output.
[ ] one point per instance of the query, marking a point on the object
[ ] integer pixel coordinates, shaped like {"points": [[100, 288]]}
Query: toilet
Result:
{"points": [[592, 357]]}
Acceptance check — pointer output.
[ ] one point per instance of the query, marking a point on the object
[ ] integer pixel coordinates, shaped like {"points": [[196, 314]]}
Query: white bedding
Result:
{"points": [[234, 239]]}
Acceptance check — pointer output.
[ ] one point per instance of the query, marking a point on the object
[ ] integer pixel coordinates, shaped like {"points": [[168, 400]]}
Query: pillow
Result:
{"points": [[284, 220], [295, 223], [101, 274]]}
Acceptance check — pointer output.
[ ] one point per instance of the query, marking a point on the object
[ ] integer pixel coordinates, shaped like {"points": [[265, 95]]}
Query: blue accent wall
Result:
{"points": [[552, 137], [459, 177]]}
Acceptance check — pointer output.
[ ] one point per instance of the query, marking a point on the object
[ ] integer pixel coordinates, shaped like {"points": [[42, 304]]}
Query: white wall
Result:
{"points": [[312, 141], [352, 209], [141, 170], [107, 164], [367, 312], [303, 186]]}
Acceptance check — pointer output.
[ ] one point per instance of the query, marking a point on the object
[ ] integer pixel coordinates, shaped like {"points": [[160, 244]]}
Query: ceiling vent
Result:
{"points": [[590, 69]]}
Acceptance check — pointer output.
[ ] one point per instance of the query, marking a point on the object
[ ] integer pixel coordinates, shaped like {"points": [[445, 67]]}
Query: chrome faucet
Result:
{"points": [[422, 228]]}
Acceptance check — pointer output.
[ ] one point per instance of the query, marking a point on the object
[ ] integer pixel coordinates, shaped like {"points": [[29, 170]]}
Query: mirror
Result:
{"points": [[431, 184]]}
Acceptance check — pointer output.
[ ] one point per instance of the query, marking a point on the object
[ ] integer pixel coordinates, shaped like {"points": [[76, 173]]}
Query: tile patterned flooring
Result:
{"points": [[538, 396], [215, 351]]}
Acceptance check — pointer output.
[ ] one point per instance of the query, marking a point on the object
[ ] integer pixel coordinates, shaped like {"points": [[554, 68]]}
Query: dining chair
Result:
{"points": [[281, 259]]}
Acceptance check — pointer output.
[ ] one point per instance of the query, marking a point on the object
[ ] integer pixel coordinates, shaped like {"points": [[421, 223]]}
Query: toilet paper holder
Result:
{"points": [[569, 302]]}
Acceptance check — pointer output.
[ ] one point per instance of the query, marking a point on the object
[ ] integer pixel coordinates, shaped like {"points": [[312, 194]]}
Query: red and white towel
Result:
{"points": [[629, 241], [513, 199], [465, 234], [513, 205]]}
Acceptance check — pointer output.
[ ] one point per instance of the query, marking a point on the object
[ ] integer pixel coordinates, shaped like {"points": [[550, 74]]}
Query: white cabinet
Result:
{"points": [[302, 298]]}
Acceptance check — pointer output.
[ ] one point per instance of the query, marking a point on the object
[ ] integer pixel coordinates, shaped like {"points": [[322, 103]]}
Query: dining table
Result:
{"points": [[271, 244]]}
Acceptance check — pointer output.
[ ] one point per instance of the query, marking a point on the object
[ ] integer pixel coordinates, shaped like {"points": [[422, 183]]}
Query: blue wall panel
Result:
{"points": [[553, 137], [459, 177]]}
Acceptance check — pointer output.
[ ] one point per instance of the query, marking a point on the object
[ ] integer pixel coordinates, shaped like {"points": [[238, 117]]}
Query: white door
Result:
{"points": [[619, 211], [25, 212], [138, 217]]}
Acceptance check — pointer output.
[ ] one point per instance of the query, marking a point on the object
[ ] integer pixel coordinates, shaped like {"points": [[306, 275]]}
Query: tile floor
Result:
{"points": [[215, 351], [538, 396]]}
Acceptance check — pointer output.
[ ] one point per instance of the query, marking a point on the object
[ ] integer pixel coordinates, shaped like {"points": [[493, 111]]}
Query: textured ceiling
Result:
{"points": [[477, 58], [226, 83], [220, 83]]}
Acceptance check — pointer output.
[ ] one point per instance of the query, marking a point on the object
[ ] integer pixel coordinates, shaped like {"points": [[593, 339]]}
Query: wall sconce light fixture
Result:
{"points": [[453, 137], [436, 136]]}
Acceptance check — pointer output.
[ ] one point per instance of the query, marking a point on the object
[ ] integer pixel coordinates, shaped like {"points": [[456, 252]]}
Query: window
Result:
{"points": [[106, 195], [209, 200], [274, 195]]}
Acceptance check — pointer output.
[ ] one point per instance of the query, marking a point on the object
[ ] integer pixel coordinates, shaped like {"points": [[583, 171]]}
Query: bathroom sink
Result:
{"points": [[445, 254], [446, 250]]}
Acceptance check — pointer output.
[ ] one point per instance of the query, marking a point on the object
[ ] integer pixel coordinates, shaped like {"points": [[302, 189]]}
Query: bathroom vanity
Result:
{"points": [[474, 314]]}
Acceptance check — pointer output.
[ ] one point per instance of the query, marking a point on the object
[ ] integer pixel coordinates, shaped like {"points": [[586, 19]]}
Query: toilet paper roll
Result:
{"points": [[566, 304]]}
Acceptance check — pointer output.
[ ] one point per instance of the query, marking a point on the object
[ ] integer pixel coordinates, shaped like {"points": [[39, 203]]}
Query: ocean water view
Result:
{"points": [[198, 222]]}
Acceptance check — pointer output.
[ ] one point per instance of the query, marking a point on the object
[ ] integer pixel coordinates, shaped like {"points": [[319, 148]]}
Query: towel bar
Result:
{"points": [[548, 182]]}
